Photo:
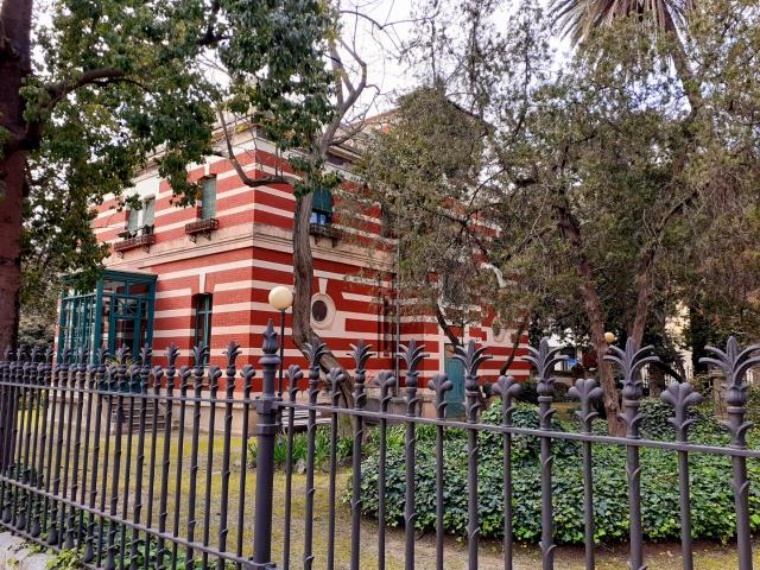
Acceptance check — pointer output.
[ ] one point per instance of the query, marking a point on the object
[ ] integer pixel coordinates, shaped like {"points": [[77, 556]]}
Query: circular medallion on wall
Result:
{"points": [[322, 311]]}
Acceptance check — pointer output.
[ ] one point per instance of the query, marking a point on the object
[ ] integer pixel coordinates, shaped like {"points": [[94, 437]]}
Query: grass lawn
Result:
{"points": [[709, 556]]}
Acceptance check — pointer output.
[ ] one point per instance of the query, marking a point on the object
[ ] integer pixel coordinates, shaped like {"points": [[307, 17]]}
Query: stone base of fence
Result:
{"points": [[17, 554]]}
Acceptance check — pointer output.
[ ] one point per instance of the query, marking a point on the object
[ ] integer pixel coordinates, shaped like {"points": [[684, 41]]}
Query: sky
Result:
{"points": [[381, 48]]}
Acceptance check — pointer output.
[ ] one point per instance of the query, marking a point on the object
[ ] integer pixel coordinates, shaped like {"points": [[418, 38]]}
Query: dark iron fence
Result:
{"points": [[146, 467]]}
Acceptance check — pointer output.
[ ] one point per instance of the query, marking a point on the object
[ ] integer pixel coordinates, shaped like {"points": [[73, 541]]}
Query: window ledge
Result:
{"points": [[325, 231]]}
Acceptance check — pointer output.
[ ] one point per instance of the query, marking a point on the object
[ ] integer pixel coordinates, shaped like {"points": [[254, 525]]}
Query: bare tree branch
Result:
{"points": [[247, 180]]}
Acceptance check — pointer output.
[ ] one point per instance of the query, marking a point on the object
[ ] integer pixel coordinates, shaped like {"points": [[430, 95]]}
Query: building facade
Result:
{"points": [[202, 274]]}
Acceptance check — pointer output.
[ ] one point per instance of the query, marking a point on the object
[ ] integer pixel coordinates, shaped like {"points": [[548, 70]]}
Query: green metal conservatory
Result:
{"points": [[118, 313]]}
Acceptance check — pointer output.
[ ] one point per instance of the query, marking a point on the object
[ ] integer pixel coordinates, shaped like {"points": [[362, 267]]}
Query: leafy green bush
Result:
{"points": [[753, 404], [656, 425], [528, 392], [711, 494], [560, 392]]}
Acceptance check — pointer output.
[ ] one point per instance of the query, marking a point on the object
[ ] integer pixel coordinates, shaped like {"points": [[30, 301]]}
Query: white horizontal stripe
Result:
{"points": [[173, 293], [169, 313], [360, 297], [261, 264], [244, 285], [255, 306], [174, 333], [220, 215]]}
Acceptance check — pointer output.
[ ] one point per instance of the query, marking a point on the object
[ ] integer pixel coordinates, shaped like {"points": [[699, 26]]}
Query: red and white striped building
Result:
{"points": [[216, 263]]}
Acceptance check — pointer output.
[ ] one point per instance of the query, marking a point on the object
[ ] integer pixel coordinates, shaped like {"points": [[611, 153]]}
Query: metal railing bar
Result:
{"points": [[89, 553], [104, 481], [163, 513], [311, 432], [233, 351], [89, 382], [134, 371], [214, 375], [184, 385], [294, 375], [361, 355], [336, 377], [139, 526], [80, 379], [247, 373], [158, 374], [139, 469], [514, 430], [387, 383], [194, 465]]}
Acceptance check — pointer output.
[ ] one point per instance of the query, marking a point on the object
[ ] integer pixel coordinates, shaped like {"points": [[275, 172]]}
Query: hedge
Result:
{"points": [[712, 499]]}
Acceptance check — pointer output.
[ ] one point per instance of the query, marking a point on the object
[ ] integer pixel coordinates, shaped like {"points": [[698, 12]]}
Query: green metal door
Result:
{"points": [[455, 371]]}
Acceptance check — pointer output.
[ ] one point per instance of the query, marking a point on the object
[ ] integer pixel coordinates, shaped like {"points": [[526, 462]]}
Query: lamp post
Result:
{"points": [[609, 337], [281, 299]]}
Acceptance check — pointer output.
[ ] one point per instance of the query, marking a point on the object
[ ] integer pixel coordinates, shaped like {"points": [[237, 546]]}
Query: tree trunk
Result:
{"points": [[656, 381], [615, 425], [571, 232], [644, 289], [15, 67], [303, 274], [11, 207]]}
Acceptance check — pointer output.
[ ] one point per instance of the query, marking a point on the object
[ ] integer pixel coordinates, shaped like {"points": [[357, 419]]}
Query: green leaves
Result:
{"points": [[711, 494], [121, 85], [286, 89]]}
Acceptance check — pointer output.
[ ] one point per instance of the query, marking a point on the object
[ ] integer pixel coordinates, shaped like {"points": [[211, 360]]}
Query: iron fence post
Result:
{"points": [[440, 384], [471, 358], [681, 397], [543, 360], [266, 430], [507, 388], [361, 354], [631, 361], [588, 392], [735, 362], [412, 355]]}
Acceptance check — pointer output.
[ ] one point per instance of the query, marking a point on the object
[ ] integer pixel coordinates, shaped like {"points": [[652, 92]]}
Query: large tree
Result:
{"points": [[306, 154], [605, 178], [96, 90], [92, 92]]}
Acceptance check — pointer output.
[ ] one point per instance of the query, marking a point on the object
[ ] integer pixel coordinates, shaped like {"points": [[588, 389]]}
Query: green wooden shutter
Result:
{"points": [[208, 199], [149, 215], [133, 220], [322, 201]]}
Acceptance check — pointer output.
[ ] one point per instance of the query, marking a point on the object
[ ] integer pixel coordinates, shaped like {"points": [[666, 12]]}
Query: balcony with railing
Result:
{"points": [[143, 237], [202, 227]]}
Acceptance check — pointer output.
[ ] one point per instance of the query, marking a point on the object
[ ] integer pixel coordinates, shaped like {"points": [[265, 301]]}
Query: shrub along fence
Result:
{"points": [[126, 462]]}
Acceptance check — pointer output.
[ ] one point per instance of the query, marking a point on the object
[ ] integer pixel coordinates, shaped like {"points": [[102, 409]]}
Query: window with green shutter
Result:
{"points": [[321, 207], [208, 198], [149, 213], [133, 221]]}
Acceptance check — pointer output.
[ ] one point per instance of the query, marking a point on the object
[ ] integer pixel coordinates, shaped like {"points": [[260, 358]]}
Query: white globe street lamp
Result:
{"points": [[281, 299]]}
